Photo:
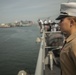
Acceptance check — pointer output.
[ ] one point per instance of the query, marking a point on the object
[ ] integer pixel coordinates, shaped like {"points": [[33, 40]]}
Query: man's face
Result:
{"points": [[64, 25]]}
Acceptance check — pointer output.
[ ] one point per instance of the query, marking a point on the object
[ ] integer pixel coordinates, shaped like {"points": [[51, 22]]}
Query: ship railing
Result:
{"points": [[40, 67]]}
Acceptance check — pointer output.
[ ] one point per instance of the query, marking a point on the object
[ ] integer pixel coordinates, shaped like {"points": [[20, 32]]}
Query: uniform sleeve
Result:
{"points": [[73, 52]]}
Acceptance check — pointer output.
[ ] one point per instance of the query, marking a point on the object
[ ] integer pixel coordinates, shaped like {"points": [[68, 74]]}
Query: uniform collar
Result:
{"points": [[71, 37]]}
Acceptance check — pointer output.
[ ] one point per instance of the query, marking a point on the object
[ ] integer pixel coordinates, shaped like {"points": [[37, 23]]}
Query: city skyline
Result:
{"points": [[16, 10]]}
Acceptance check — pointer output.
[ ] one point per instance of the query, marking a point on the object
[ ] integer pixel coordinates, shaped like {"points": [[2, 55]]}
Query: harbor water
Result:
{"points": [[18, 49]]}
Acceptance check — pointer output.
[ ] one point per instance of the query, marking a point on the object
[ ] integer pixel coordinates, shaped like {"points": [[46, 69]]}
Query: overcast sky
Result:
{"points": [[16, 10]]}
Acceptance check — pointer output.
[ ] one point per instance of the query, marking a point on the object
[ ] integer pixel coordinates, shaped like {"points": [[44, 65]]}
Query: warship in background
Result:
{"points": [[17, 24], [25, 23]]}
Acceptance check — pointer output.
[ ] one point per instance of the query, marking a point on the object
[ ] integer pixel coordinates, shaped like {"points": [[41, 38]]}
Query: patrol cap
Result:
{"points": [[67, 9]]}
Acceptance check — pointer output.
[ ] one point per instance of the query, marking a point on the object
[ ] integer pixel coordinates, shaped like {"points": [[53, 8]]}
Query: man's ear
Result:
{"points": [[72, 22]]}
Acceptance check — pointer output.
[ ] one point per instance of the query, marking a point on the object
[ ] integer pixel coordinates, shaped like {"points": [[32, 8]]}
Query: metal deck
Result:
{"points": [[55, 71]]}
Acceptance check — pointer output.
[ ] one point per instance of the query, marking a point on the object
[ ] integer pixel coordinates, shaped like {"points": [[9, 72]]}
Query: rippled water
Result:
{"points": [[18, 49]]}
